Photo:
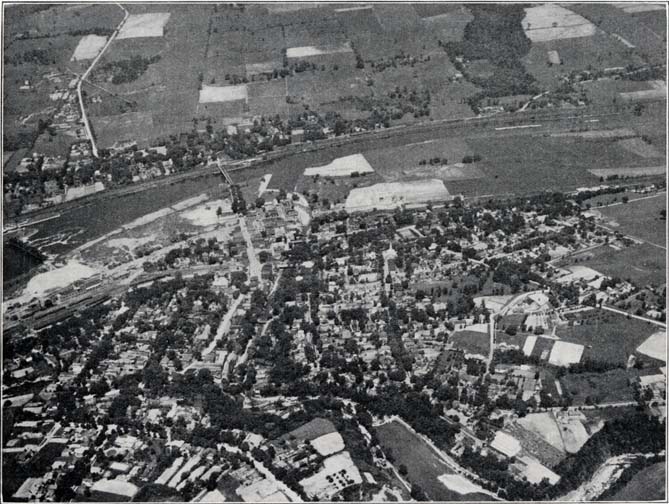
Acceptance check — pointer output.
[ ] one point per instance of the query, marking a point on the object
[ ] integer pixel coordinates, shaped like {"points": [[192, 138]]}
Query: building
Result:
{"points": [[111, 490]]}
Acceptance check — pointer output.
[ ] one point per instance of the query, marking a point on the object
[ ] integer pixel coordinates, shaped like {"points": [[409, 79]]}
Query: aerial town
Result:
{"points": [[319, 269]]}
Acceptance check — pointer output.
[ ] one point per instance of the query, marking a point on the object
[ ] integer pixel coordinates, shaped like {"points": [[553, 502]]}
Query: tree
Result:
{"points": [[403, 470], [418, 493]]}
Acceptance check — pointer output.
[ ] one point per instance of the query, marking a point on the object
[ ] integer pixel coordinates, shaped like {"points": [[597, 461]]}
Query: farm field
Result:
{"points": [[639, 219], [168, 89], [646, 485], [612, 19], [608, 337], [543, 162], [60, 19], [422, 462], [554, 22], [641, 264]]}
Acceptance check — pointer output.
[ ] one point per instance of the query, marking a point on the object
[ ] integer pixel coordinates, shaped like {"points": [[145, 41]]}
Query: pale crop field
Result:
{"points": [[564, 353], [553, 22], [389, 195], [630, 172], [144, 25], [88, 47], [655, 346], [544, 425], [214, 94], [306, 51], [341, 167]]}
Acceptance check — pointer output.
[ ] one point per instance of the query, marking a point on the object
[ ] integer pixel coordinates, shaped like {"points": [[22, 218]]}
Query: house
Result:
{"points": [[297, 136]]}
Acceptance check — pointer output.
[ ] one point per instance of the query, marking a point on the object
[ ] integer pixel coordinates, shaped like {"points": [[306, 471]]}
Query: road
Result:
{"points": [[224, 326], [627, 314], [254, 263], [84, 117]]}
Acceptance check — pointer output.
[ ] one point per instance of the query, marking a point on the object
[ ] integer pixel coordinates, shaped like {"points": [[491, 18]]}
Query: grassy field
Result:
{"points": [[422, 462], [647, 485], [608, 337], [611, 386], [640, 219], [473, 342], [640, 264]]}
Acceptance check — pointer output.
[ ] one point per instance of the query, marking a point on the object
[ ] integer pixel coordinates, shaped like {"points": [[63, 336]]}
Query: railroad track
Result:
{"points": [[394, 131]]}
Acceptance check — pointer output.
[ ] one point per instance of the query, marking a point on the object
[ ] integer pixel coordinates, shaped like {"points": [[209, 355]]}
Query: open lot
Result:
{"points": [[472, 342], [585, 388], [423, 464]]}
